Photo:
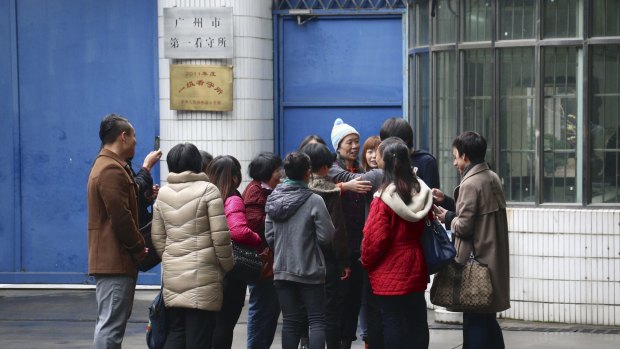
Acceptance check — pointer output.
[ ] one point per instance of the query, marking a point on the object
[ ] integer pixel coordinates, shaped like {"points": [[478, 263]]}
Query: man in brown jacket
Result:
{"points": [[114, 243]]}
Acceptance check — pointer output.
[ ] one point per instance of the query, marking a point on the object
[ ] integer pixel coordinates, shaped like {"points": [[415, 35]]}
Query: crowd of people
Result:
{"points": [[338, 234]]}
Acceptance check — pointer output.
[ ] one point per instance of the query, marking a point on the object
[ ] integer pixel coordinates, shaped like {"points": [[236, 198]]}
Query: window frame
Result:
{"points": [[584, 43]]}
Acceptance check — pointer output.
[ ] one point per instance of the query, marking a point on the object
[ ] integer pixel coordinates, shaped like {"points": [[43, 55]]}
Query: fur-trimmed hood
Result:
{"points": [[416, 210]]}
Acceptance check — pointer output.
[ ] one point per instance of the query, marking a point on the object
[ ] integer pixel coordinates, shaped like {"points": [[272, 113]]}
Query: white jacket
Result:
{"points": [[191, 236]]}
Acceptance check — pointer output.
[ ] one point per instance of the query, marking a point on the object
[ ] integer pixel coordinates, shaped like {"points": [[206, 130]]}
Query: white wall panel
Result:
{"points": [[565, 265]]}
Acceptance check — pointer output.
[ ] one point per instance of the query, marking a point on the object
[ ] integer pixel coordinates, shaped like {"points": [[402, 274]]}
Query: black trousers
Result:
{"points": [[226, 318], [374, 319], [352, 291], [189, 328]]}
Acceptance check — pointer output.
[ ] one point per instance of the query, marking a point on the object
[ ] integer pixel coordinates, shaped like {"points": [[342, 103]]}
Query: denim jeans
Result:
{"points": [[292, 296], [226, 318], [481, 331], [263, 313], [404, 321], [114, 295], [189, 328]]}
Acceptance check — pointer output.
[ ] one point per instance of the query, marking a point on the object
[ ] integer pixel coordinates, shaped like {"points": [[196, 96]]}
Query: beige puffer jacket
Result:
{"points": [[191, 236]]}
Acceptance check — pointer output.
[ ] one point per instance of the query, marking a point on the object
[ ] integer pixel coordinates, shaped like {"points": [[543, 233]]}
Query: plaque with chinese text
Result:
{"points": [[201, 87], [198, 32]]}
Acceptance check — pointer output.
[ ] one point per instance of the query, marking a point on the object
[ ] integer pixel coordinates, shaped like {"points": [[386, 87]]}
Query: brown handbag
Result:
{"points": [[266, 257], [463, 287]]}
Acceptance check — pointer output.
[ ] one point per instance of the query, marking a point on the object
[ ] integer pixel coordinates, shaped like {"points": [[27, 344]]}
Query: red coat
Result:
{"points": [[392, 252]]}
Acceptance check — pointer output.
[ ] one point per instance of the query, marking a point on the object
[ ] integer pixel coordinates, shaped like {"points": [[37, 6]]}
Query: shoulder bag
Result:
{"points": [[156, 328], [438, 249], [463, 287], [248, 263]]}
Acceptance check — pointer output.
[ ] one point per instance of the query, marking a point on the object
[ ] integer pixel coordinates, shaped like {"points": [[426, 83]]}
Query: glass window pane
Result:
{"points": [[560, 119], [423, 102], [446, 118], [605, 124], [477, 20], [422, 22], [606, 15], [518, 19], [517, 112], [477, 89], [445, 21], [562, 18]]}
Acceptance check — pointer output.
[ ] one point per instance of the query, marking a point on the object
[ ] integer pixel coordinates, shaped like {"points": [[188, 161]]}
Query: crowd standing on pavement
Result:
{"points": [[338, 235]]}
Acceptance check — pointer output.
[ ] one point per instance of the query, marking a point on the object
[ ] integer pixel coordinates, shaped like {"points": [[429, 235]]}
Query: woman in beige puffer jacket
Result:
{"points": [[191, 236]]}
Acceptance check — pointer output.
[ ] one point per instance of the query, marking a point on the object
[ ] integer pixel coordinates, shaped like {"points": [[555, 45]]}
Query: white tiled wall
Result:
{"points": [[564, 265], [248, 129]]}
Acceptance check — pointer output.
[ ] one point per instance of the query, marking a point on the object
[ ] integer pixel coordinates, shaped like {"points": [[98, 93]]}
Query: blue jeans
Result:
{"points": [[404, 321], [263, 313], [294, 295], [114, 295], [481, 331]]}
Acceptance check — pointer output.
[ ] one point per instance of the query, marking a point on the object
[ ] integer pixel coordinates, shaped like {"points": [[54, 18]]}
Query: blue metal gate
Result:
{"points": [[340, 63], [70, 62]]}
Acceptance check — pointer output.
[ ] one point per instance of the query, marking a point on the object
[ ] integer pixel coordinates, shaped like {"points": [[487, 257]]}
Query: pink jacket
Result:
{"points": [[238, 224]]}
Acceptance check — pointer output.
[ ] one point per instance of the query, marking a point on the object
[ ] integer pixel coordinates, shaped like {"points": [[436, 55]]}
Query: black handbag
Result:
{"points": [[247, 263], [438, 249], [156, 328], [151, 260]]}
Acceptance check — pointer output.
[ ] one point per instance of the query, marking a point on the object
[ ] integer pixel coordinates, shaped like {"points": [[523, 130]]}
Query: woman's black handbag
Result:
{"points": [[151, 260], [247, 263], [438, 249]]}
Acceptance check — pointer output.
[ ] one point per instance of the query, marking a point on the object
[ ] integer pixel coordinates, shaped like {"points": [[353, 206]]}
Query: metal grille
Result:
{"points": [[339, 4]]}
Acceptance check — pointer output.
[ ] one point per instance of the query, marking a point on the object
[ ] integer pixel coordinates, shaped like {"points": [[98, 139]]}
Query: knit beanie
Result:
{"points": [[341, 130]]}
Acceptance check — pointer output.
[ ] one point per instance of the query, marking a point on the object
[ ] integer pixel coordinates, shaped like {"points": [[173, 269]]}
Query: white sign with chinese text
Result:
{"points": [[198, 32]]}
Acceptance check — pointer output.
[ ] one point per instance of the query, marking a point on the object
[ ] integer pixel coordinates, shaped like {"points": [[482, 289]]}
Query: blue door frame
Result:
{"points": [[337, 63], [69, 63]]}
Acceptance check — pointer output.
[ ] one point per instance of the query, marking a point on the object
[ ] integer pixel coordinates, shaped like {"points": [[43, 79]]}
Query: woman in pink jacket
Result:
{"points": [[392, 251], [225, 173]]}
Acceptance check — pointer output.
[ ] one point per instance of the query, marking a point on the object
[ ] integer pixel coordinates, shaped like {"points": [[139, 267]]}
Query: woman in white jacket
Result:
{"points": [[191, 236]]}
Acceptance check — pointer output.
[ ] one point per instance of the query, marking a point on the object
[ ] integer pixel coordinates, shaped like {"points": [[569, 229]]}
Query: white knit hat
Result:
{"points": [[341, 130]]}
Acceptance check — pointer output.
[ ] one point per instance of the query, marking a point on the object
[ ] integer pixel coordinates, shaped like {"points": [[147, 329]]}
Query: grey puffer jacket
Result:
{"points": [[298, 228], [191, 236]]}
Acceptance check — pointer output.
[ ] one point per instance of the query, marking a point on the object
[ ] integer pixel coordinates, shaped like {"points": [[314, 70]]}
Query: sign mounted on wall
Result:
{"points": [[198, 32], [201, 87]]}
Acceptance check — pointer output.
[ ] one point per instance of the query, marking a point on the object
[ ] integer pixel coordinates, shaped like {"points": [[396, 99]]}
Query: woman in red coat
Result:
{"points": [[392, 250]]}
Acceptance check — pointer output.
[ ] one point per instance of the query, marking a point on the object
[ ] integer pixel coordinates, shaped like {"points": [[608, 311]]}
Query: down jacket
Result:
{"points": [[191, 236], [391, 249]]}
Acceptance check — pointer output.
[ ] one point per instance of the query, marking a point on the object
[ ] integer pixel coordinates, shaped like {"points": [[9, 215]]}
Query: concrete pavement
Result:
{"points": [[65, 319]]}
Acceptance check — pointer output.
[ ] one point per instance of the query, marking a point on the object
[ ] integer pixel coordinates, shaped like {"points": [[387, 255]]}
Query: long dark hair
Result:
{"points": [[397, 168], [222, 171]]}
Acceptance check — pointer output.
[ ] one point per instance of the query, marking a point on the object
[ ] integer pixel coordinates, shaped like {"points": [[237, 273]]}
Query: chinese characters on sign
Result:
{"points": [[201, 87], [198, 32]]}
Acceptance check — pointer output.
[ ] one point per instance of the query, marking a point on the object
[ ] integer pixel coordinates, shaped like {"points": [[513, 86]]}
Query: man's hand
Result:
{"points": [[151, 159], [357, 185]]}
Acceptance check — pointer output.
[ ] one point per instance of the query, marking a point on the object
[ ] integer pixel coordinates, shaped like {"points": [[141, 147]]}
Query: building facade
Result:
{"points": [[538, 78]]}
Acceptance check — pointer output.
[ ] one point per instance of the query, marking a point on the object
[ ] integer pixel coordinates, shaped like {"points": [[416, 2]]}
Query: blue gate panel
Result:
{"points": [[352, 59], [7, 158], [78, 61], [306, 121]]}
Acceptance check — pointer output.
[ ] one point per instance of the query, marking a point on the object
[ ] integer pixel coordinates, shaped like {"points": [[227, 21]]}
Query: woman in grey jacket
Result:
{"points": [[298, 228], [191, 236]]}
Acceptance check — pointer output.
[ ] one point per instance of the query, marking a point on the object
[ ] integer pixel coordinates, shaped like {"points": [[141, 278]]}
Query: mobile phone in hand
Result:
{"points": [[156, 146]]}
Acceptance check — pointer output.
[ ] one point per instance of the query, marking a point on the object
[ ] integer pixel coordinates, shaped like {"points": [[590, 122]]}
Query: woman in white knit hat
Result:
{"points": [[346, 142]]}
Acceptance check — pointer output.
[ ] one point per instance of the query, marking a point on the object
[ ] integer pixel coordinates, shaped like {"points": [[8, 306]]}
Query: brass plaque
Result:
{"points": [[201, 87]]}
